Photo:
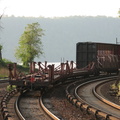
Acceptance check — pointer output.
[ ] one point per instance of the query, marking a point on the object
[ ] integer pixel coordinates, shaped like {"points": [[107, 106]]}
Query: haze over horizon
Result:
{"points": [[60, 8], [61, 35]]}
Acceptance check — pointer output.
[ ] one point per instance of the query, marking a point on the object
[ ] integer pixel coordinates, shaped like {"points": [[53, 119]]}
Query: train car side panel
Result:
{"points": [[85, 53], [106, 56]]}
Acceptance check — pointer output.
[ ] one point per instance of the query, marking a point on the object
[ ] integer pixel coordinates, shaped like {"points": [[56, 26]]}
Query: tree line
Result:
{"points": [[30, 43]]}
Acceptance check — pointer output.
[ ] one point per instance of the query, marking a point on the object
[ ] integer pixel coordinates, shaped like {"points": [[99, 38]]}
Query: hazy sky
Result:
{"points": [[60, 8]]}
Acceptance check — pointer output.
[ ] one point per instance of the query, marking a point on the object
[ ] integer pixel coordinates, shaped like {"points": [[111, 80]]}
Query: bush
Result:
{"points": [[118, 94], [113, 86], [4, 72], [9, 88], [4, 62], [118, 85]]}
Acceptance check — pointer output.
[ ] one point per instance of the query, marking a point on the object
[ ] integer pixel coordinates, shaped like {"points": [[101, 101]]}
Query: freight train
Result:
{"points": [[91, 59], [105, 56]]}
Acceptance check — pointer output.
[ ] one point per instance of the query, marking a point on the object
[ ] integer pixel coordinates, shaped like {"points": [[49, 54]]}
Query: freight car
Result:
{"points": [[91, 59], [105, 56]]}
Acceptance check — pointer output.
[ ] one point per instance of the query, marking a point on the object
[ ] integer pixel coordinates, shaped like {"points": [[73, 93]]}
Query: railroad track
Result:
{"points": [[30, 107], [3, 85], [106, 96], [7, 105], [4, 80], [26, 106], [7, 100], [29, 104], [87, 102]]}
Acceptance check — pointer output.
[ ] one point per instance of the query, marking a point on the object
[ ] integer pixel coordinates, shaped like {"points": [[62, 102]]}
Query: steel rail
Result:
{"points": [[17, 109], [104, 99], [4, 80], [99, 79], [42, 105], [47, 111], [5, 104], [7, 115], [86, 107], [94, 109], [22, 117]]}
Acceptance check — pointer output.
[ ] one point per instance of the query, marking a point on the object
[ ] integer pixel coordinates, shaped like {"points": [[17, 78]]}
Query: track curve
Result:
{"points": [[84, 94], [98, 94], [31, 107]]}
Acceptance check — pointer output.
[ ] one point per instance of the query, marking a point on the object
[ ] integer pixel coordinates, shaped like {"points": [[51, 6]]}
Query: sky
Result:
{"points": [[60, 8]]}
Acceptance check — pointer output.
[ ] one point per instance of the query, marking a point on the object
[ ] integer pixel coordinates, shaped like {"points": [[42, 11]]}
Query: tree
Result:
{"points": [[30, 44]]}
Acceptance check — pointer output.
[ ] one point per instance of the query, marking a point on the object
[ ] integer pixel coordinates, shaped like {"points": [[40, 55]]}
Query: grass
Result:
{"points": [[3, 68], [4, 72]]}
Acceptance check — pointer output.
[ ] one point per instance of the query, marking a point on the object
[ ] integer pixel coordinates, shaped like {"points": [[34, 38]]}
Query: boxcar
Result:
{"points": [[105, 56]]}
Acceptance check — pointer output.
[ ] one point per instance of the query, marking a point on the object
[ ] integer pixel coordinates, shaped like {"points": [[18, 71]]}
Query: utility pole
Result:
{"points": [[117, 41], [0, 52]]}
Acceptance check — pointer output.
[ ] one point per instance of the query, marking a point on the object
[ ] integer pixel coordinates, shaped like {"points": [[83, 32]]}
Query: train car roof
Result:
{"points": [[98, 43]]}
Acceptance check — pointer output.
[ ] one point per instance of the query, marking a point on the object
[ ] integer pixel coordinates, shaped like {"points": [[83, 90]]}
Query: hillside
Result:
{"points": [[61, 34]]}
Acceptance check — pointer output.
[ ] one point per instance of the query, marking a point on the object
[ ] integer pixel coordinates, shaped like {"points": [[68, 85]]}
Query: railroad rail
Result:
{"points": [[53, 79], [3, 85], [4, 80], [99, 95], [90, 107], [16, 106], [45, 75], [7, 105], [32, 98]]}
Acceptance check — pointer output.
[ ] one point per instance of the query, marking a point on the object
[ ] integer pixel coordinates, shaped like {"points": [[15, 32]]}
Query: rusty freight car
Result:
{"points": [[105, 56]]}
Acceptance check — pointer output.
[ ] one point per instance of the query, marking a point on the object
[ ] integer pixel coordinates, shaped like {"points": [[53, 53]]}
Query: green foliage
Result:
{"points": [[4, 67], [118, 86], [10, 88], [24, 69], [4, 62], [113, 86], [1, 47], [118, 94], [30, 44]]}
